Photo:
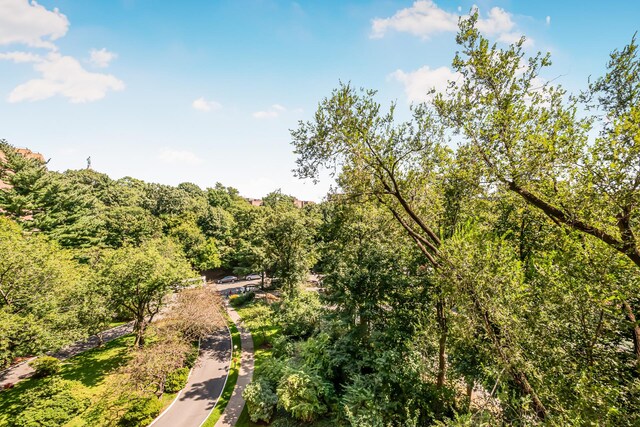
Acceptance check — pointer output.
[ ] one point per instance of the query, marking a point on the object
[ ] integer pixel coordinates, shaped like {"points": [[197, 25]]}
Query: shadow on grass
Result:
{"points": [[90, 367]]}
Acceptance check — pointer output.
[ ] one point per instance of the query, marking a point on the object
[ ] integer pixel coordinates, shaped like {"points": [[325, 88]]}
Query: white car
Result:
{"points": [[252, 276]]}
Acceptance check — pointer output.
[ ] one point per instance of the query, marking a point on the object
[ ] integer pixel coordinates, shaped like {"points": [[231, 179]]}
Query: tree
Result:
{"points": [[288, 242], [129, 225], [530, 141], [196, 314], [140, 277], [38, 311], [151, 365], [202, 252], [404, 167]]}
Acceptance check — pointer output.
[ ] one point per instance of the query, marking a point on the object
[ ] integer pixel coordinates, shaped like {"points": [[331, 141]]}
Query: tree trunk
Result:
{"points": [[442, 342], [635, 331], [518, 376], [139, 328], [470, 385]]}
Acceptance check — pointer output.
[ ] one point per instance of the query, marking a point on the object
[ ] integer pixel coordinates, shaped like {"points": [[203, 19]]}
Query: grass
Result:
{"points": [[114, 324], [231, 379], [89, 369], [263, 333]]}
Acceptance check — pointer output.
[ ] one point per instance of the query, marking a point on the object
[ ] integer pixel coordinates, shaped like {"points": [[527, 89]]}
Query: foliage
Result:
{"points": [[139, 278], [243, 299], [53, 404], [297, 316], [288, 235], [261, 400], [176, 380], [37, 280], [129, 225], [192, 357], [304, 395], [45, 366], [201, 251], [141, 413]]}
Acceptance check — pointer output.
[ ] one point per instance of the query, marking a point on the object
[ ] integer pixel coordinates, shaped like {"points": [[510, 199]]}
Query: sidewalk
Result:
{"points": [[22, 370], [236, 403]]}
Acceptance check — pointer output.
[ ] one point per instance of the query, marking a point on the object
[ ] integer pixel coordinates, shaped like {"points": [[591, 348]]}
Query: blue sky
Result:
{"points": [[206, 91]]}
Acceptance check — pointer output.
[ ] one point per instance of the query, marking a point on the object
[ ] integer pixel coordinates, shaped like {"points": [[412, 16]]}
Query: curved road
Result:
{"points": [[206, 382]]}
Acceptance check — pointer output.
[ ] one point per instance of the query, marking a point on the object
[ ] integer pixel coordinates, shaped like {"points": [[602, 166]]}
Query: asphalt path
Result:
{"points": [[195, 402]]}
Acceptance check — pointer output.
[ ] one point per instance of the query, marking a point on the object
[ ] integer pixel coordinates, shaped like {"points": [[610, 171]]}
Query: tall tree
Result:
{"points": [[38, 311], [141, 277], [528, 136], [288, 235]]}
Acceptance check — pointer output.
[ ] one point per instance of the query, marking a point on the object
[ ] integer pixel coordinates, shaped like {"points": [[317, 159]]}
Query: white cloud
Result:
{"points": [[64, 76], [548, 20], [202, 104], [271, 113], [425, 19], [101, 58], [33, 26], [19, 57], [30, 24], [168, 155], [498, 22], [418, 83], [422, 19]]}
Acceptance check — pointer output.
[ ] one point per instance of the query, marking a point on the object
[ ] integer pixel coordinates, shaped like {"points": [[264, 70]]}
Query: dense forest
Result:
{"points": [[479, 261]]}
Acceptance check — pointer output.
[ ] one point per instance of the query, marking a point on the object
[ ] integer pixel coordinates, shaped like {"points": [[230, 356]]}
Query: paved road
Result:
{"points": [[199, 397]]}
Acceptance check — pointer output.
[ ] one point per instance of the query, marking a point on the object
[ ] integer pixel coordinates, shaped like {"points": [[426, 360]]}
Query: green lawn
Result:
{"points": [[231, 379], [89, 369], [262, 333]]}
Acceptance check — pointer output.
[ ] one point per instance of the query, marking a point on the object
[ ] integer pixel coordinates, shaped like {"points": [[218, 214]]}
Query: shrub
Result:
{"points": [[45, 366], [299, 316], [141, 413], [272, 370], [176, 380], [192, 357], [52, 404], [302, 395], [261, 401], [242, 300]]}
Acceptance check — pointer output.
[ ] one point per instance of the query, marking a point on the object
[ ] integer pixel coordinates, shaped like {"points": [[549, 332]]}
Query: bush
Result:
{"points": [[45, 366], [52, 404], [299, 316], [261, 401], [141, 413], [242, 300], [302, 395], [192, 357], [176, 380]]}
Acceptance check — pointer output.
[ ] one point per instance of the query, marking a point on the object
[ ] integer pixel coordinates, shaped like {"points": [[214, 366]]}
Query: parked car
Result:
{"points": [[252, 276], [228, 279]]}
